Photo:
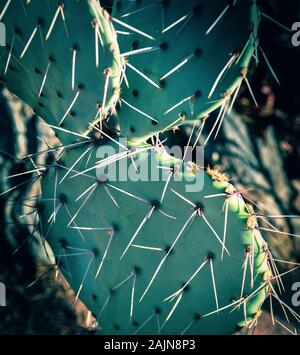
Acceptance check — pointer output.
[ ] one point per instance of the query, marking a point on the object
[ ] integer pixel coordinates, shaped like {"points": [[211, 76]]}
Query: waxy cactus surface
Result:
{"points": [[127, 245], [183, 59], [62, 59]]}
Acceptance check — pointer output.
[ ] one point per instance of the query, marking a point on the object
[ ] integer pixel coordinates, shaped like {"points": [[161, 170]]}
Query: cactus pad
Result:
{"points": [[126, 246], [50, 61], [182, 61]]}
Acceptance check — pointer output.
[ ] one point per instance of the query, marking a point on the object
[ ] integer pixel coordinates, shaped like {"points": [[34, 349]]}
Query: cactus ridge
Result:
{"points": [[181, 61], [127, 246], [51, 62]]}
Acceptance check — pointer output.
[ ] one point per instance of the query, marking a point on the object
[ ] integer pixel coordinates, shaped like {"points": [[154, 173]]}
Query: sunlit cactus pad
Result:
{"points": [[183, 59], [126, 246], [50, 61]]}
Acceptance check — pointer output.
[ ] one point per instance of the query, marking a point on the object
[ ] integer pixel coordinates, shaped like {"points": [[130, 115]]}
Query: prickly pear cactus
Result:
{"points": [[174, 252], [177, 254], [62, 59], [181, 60]]}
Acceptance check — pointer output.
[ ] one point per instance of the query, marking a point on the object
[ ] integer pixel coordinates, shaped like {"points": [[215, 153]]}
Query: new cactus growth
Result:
{"points": [[62, 59]]}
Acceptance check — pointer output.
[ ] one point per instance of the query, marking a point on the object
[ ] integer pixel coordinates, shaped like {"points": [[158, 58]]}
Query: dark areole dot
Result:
{"points": [[75, 47], [40, 21], [117, 327], [135, 93], [199, 206], [115, 227], [94, 297], [197, 316], [63, 243], [186, 288], [197, 9], [37, 71], [59, 94], [135, 45], [155, 203], [41, 105], [164, 46], [137, 270], [154, 123], [63, 197], [132, 129], [198, 52], [18, 31], [198, 94], [157, 310], [162, 84], [51, 58], [72, 113], [167, 250], [165, 3], [211, 256], [95, 252], [135, 323]]}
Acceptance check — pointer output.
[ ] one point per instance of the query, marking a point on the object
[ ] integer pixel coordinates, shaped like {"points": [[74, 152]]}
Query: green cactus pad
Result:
{"points": [[175, 51], [126, 231], [51, 51]]}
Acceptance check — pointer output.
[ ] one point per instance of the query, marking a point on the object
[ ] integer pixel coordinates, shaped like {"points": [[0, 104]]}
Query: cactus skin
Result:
{"points": [[192, 248], [25, 75], [194, 79]]}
